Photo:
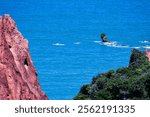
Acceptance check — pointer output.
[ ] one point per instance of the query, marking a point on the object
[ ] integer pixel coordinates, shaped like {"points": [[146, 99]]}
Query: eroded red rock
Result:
{"points": [[148, 54], [18, 77]]}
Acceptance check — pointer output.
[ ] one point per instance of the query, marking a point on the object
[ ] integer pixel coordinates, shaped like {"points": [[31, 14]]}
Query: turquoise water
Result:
{"points": [[64, 38]]}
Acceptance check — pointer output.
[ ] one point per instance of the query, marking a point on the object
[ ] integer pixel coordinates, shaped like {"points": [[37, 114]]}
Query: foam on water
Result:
{"points": [[77, 43], [111, 44], [148, 47], [115, 44], [97, 41], [58, 44], [147, 42], [136, 47]]}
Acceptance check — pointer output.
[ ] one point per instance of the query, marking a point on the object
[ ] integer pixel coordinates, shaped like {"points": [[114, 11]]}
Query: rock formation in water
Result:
{"points": [[132, 82], [104, 38], [18, 77]]}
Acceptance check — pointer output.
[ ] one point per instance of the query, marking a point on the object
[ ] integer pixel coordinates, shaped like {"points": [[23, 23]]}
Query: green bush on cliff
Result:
{"points": [[131, 82]]}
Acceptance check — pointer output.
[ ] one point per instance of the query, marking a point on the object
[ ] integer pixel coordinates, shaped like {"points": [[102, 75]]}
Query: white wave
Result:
{"points": [[58, 44], [77, 43], [97, 41], [110, 43], [148, 47], [144, 41], [115, 44], [137, 47]]}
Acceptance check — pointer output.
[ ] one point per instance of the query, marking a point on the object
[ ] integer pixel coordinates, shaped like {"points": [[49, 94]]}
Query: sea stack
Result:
{"points": [[18, 77], [103, 37]]}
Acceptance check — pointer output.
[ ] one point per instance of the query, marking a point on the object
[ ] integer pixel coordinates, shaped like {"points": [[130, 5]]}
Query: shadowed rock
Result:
{"points": [[18, 77], [138, 58]]}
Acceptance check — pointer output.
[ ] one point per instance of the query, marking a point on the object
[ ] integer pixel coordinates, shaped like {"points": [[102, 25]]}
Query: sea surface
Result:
{"points": [[64, 38]]}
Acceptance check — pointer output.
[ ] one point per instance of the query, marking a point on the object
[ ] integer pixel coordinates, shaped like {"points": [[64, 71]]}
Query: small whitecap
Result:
{"points": [[121, 46], [137, 47], [110, 43], [58, 44], [77, 43], [148, 47], [97, 41], [115, 44], [144, 41]]}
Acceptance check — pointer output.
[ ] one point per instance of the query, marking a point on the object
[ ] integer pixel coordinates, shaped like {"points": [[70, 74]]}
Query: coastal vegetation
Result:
{"points": [[127, 83]]}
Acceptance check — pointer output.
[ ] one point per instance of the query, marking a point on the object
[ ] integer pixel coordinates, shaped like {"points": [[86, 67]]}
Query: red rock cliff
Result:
{"points": [[148, 54], [18, 77]]}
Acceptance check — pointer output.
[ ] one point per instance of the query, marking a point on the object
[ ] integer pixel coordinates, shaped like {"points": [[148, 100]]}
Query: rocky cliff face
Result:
{"points": [[18, 77], [132, 82], [148, 54]]}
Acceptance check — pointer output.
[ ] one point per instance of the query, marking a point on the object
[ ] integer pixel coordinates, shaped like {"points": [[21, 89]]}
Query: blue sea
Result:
{"points": [[64, 38]]}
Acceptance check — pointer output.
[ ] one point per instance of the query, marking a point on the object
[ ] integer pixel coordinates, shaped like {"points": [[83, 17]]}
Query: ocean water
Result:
{"points": [[64, 38]]}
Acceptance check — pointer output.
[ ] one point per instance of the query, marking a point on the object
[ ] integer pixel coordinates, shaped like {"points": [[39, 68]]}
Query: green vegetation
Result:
{"points": [[132, 82]]}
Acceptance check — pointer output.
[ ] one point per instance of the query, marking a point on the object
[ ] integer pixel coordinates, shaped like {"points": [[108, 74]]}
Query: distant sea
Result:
{"points": [[64, 38]]}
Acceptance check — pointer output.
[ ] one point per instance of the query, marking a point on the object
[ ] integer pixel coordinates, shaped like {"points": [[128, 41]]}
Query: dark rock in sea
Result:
{"points": [[104, 38], [132, 82], [18, 77]]}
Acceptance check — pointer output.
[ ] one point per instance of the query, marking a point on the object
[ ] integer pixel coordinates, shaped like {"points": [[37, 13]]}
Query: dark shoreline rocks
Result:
{"points": [[127, 83]]}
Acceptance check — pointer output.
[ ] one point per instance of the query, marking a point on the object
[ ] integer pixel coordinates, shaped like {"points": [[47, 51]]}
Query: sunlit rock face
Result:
{"points": [[148, 54], [18, 77]]}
